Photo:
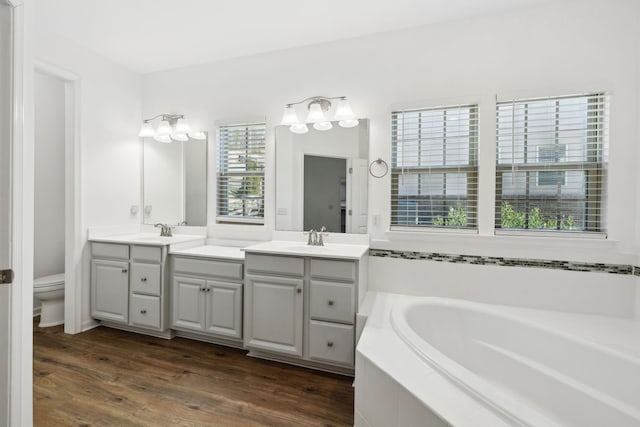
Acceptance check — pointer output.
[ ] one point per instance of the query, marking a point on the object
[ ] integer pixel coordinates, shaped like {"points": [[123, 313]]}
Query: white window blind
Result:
{"points": [[240, 173], [551, 163], [434, 167]]}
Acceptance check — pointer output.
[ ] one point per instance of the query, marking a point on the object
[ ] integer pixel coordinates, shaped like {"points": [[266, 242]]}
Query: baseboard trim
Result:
{"points": [[87, 325]]}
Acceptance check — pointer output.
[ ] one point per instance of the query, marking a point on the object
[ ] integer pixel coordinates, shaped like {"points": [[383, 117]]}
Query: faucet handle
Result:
{"points": [[320, 234]]}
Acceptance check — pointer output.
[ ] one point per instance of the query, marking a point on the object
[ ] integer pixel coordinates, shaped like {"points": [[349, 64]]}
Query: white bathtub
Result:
{"points": [[527, 367]]}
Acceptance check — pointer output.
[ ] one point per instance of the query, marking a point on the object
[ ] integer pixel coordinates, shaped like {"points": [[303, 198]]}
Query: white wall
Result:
{"points": [[49, 201], [110, 150], [556, 49], [543, 51]]}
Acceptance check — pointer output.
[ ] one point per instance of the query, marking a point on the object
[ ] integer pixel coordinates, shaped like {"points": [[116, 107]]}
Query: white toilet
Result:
{"points": [[49, 290]]}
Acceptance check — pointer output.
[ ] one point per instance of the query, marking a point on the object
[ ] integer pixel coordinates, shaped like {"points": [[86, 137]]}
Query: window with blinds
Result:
{"points": [[551, 164], [434, 167], [240, 173]]}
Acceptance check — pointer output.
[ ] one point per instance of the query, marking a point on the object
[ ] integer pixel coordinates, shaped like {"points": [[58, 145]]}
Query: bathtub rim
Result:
{"points": [[468, 381]]}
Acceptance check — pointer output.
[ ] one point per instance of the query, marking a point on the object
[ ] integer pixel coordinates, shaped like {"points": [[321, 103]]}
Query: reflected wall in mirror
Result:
{"points": [[321, 179], [175, 182]]}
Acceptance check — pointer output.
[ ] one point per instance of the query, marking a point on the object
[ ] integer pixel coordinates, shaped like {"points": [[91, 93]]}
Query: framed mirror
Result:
{"points": [[175, 182], [321, 179]]}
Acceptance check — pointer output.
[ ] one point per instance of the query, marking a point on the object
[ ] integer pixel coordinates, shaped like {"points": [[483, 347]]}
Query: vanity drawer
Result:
{"points": [[331, 342], [280, 265], [110, 250], [197, 266], [145, 311], [333, 269], [146, 253], [332, 301], [145, 278]]}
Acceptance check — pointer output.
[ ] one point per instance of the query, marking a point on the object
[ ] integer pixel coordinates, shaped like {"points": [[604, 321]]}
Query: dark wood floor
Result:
{"points": [[106, 377]]}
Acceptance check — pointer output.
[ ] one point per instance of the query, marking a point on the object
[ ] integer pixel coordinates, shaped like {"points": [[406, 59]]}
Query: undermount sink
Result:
{"points": [[304, 247], [155, 239]]}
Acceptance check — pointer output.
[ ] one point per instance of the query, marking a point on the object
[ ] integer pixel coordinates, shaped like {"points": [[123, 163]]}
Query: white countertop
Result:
{"points": [[329, 250], [212, 251], [151, 239]]}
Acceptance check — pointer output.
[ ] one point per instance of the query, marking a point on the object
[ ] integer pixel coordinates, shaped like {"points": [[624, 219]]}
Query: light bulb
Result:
{"points": [[146, 130], [315, 113], [348, 123], [182, 127], [200, 136], [289, 117], [299, 128], [322, 126], [344, 111], [164, 129], [163, 138], [179, 137]]}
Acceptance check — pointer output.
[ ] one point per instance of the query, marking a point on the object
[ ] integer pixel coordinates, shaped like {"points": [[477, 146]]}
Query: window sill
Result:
{"points": [[578, 235]]}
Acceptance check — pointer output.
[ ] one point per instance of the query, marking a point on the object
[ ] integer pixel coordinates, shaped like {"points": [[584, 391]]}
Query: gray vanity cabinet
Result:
{"points": [[207, 297], [128, 290], [301, 309]]}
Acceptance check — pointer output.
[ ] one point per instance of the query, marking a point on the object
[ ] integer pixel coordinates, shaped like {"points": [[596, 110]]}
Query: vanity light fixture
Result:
{"points": [[172, 127], [318, 107]]}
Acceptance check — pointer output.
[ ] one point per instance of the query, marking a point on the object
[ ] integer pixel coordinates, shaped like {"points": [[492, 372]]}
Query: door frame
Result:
{"points": [[72, 193], [22, 173]]}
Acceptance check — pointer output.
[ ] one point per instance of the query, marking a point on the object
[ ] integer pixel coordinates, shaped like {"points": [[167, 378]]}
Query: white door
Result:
{"points": [[5, 207], [357, 201]]}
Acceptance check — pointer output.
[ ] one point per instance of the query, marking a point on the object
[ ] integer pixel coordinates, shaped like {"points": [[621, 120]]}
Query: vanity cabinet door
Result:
{"points": [[224, 309], [273, 312], [188, 303], [110, 290]]}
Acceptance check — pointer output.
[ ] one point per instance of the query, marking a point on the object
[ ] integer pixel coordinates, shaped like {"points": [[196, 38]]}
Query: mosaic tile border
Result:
{"points": [[509, 262]]}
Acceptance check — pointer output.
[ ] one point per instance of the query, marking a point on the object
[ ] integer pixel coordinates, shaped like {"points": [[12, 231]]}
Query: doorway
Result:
{"points": [[325, 193]]}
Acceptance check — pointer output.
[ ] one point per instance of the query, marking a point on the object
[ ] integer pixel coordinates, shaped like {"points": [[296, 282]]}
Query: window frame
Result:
{"points": [[471, 171], [595, 169]]}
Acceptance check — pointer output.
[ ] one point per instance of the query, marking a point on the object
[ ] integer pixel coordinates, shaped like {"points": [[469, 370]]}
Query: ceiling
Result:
{"points": [[154, 35]]}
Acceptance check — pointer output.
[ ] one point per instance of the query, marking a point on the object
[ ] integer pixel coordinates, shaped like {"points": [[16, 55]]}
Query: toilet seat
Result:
{"points": [[53, 280]]}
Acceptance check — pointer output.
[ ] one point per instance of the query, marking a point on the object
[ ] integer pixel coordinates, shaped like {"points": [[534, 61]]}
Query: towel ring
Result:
{"points": [[378, 168]]}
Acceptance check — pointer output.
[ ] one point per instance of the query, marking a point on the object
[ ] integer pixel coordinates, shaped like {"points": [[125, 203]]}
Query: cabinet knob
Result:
{"points": [[299, 290], [330, 302], [124, 270], [143, 279], [143, 311], [329, 344], [208, 289], [202, 289]]}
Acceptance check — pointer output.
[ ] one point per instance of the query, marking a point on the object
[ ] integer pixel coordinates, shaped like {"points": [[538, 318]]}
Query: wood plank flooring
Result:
{"points": [[106, 377]]}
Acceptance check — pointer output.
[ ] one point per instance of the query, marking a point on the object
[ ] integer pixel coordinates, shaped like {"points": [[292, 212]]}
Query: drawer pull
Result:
{"points": [[143, 279], [124, 270], [330, 302], [143, 311], [329, 344], [299, 290]]}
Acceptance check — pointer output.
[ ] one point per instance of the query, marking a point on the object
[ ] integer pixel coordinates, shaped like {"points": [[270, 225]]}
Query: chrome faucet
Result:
{"points": [[315, 238], [165, 230]]}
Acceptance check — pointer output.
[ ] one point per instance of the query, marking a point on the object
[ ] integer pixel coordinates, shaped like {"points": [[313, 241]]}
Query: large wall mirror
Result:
{"points": [[321, 179], [175, 182]]}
